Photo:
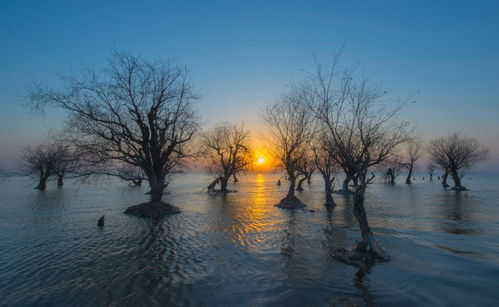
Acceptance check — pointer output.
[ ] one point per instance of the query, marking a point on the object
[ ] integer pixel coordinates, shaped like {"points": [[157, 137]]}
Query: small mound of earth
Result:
{"points": [[290, 203], [152, 210], [357, 256]]}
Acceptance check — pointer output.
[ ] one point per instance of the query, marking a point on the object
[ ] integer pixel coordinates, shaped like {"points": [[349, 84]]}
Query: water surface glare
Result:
{"points": [[240, 250]]}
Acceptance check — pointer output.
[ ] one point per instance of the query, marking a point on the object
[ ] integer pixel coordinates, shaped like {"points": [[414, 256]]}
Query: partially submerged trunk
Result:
{"points": [[42, 182], [457, 182], [157, 187], [223, 184], [344, 187], [211, 186], [328, 189], [155, 208], [367, 251], [300, 183], [444, 178], [409, 174], [291, 201], [292, 184], [60, 179]]}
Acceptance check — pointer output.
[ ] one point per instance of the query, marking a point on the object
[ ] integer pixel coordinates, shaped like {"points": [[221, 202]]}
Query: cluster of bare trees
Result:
{"points": [[336, 121], [136, 113], [52, 158], [455, 154]]}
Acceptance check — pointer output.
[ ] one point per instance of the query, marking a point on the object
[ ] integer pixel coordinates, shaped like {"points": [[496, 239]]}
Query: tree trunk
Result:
{"points": [[60, 180], [157, 187], [223, 184], [444, 178], [300, 183], [355, 180], [235, 178], [291, 190], [309, 179], [42, 183], [409, 175], [344, 187], [457, 181], [328, 189], [431, 176], [367, 235]]}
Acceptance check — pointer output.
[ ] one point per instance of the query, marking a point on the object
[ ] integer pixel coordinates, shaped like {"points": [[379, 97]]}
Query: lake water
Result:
{"points": [[240, 250]]}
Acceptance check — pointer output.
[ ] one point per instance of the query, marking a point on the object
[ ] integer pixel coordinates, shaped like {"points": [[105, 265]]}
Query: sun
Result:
{"points": [[260, 160]]}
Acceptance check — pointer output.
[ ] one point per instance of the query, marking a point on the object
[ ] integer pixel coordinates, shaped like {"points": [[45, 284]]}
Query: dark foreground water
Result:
{"points": [[240, 250]]}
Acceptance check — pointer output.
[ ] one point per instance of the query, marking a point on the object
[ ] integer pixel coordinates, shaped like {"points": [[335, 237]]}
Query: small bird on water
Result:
{"points": [[100, 223]]}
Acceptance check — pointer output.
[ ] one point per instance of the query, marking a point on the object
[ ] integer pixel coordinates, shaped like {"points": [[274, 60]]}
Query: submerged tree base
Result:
{"points": [[358, 256], [152, 210], [459, 189], [290, 203]]}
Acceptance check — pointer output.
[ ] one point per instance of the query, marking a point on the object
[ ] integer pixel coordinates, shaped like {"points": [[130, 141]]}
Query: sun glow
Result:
{"points": [[260, 160]]}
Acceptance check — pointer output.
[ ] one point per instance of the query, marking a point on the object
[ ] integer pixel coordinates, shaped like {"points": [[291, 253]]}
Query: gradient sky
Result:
{"points": [[243, 53]]}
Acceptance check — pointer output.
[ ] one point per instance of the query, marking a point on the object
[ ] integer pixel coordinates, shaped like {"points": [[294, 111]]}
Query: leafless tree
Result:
{"points": [[226, 148], [306, 168], [431, 170], [393, 166], [414, 152], [364, 127], [324, 152], [291, 129], [136, 112], [43, 160], [456, 154]]}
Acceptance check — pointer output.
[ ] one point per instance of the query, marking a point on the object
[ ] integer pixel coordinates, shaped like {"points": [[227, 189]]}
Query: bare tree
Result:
{"points": [[291, 129], [226, 147], [431, 170], [136, 112], [456, 154], [365, 129], [41, 160], [414, 152], [324, 152], [306, 168], [393, 167]]}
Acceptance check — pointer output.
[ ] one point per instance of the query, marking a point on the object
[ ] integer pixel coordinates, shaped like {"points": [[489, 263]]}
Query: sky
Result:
{"points": [[243, 54]]}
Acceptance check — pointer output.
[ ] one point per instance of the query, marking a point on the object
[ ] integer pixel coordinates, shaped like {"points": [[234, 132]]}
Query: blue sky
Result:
{"points": [[243, 53]]}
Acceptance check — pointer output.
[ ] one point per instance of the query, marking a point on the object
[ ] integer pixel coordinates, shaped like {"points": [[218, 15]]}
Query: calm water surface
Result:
{"points": [[240, 250]]}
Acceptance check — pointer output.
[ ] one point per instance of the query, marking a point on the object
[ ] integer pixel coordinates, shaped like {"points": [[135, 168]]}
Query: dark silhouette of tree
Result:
{"points": [[306, 168], [431, 170], [364, 127], [456, 154], [414, 152], [226, 148], [291, 129], [136, 112], [393, 167], [324, 152], [45, 160]]}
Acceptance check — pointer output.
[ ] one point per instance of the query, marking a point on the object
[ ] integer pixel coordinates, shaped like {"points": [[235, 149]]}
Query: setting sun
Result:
{"points": [[260, 160]]}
